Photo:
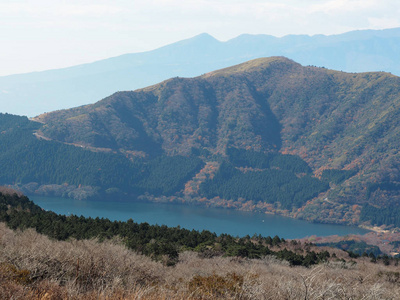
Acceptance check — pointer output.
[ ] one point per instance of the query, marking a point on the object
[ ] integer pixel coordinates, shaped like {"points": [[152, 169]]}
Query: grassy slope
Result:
{"points": [[35, 267]]}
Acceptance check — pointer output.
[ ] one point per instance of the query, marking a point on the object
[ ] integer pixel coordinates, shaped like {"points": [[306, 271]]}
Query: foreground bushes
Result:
{"points": [[34, 267]]}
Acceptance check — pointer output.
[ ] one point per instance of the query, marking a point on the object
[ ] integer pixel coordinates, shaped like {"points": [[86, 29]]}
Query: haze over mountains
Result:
{"points": [[34, 93]]}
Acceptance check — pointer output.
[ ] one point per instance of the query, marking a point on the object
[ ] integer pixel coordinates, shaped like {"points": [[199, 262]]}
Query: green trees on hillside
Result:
{"points": [[164, 175], [273, 184], [380, 216], [260, 160], [356, 247], [26, 159], [337, 176]]}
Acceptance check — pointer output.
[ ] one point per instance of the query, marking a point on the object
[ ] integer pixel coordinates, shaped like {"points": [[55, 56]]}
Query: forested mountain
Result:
{"points": [[266, 135], [34, 93], [49, 167]]}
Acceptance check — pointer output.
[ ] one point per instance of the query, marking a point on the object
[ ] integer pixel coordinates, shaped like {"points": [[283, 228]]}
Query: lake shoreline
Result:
{"points": [[237, 223]]}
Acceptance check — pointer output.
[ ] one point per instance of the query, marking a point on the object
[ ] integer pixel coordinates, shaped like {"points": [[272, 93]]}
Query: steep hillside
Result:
{"points": [[264, 104], [34, 93], [333, 120]]}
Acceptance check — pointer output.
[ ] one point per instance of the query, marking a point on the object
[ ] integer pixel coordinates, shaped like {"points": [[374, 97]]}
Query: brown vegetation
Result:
{"points": [[35, 267], [9, 191]]}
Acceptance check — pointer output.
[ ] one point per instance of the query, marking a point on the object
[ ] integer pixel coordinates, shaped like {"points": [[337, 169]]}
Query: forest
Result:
{"points": [[272, 178], [26, 159], [261, 160], [283, 180], [380, 216]]}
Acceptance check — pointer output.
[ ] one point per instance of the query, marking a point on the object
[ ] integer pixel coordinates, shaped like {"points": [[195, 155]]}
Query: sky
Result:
{"points": [[38, 35]]}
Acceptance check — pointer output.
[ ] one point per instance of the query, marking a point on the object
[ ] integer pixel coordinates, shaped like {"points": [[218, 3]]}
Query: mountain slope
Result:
{"points": [[344, 125], [34, 93], [262, 104]]}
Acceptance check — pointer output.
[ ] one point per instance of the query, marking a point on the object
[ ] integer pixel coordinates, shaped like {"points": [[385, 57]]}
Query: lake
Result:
{"points": [[216, 220]]}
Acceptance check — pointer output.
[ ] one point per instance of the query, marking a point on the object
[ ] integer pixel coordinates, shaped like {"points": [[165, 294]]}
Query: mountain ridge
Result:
{"points": [[32, 94], [240, 71], [331, 119]]}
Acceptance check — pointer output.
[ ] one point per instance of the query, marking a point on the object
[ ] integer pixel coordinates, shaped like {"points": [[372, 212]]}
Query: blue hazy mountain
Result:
{"points": [[34, 93]]}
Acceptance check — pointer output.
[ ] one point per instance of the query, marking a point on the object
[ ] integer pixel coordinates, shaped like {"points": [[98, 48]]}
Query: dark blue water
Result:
{"points": [[233, 222]]}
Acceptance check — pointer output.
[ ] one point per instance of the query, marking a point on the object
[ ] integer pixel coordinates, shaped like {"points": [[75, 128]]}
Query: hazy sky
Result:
{"points": [[42, 34]]}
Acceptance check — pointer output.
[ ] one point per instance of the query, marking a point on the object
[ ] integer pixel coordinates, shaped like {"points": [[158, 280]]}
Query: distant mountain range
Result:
{"points": [[267, 135], [34, 93]]}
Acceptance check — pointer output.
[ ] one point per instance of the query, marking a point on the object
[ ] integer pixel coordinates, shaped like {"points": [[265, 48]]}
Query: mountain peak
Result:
{"points": [[202, 39], [252, 65], [204, 36]]}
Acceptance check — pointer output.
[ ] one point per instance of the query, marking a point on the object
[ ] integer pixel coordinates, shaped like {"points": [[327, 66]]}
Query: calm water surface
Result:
{"points": [[216, 220]]}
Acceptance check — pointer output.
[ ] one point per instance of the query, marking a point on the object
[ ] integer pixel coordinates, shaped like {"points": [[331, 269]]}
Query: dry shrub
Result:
{"points": [[80, 266], [390, 276], [10, 282], [11, 273], [9, 191], [12, 290], [46, 290], [229, 286], [35, 267]]}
